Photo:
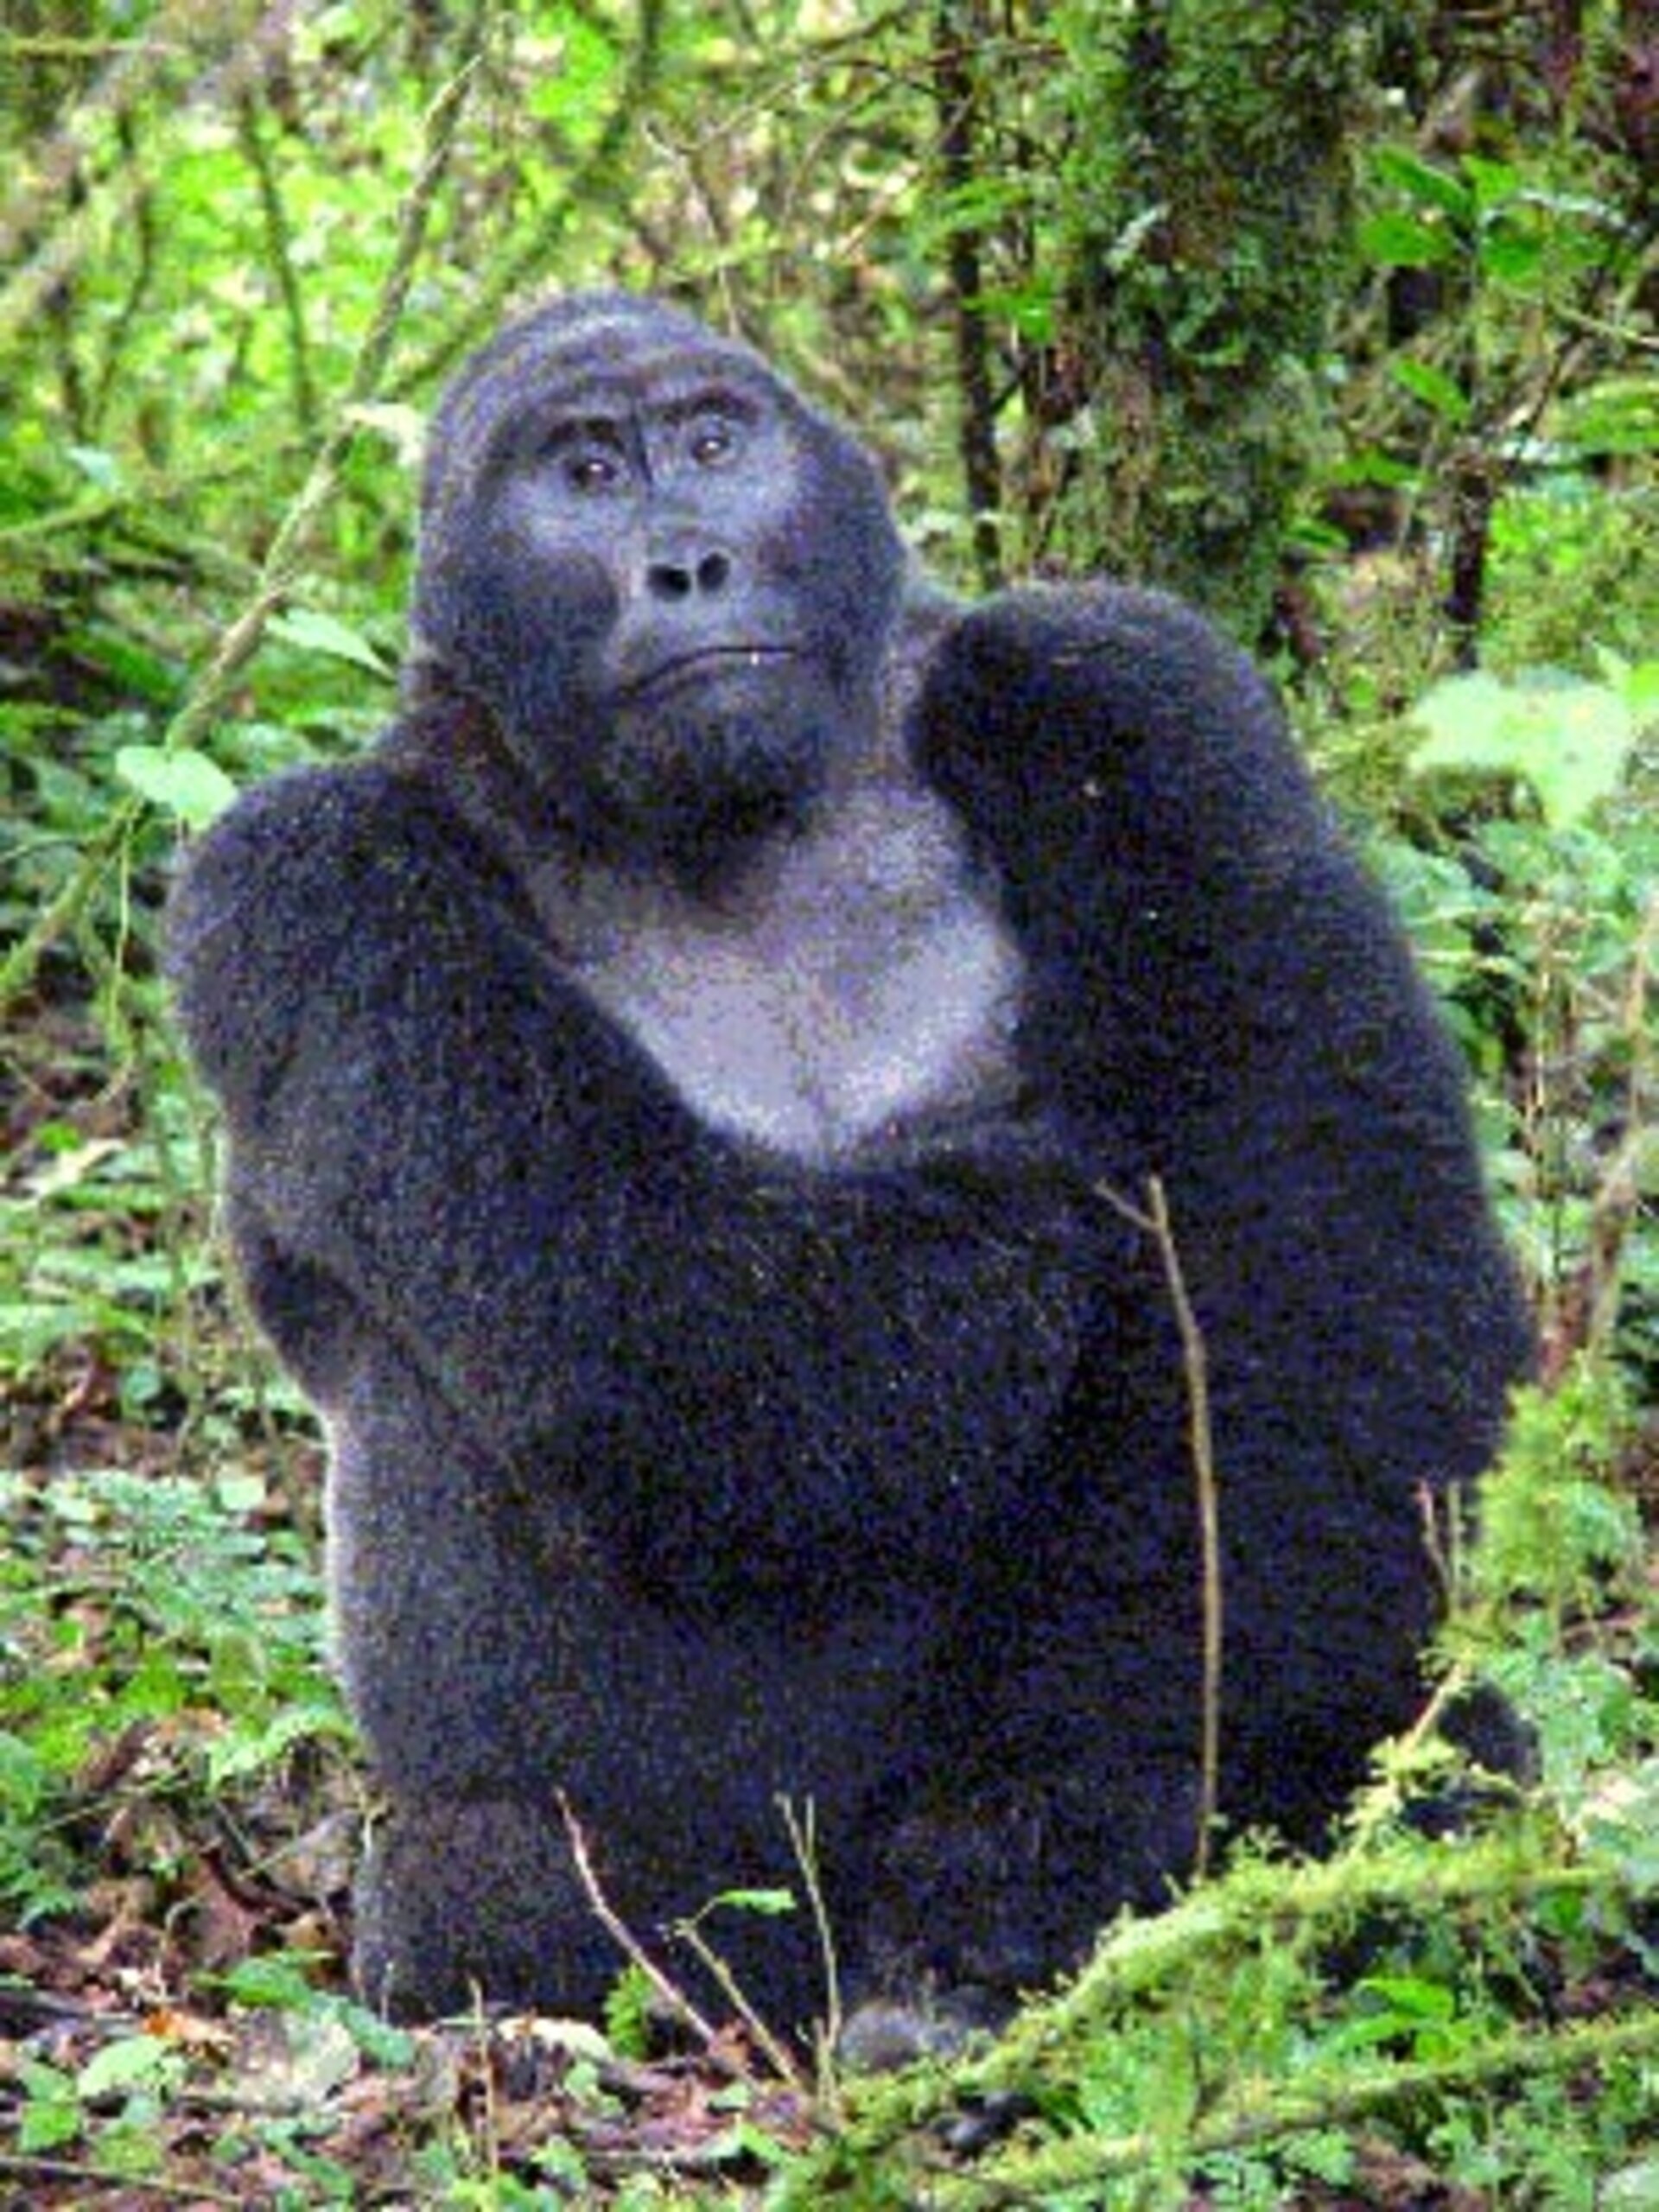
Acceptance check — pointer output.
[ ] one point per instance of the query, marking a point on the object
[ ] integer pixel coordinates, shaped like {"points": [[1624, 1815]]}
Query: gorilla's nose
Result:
{"points": [[683, 577]]}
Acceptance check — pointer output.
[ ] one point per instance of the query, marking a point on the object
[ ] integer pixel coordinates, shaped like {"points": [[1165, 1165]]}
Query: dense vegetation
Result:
{"points": [[1343, 318]]}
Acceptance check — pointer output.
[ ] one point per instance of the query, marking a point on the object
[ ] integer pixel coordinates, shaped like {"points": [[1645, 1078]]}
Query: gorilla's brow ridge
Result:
{"points": [[596, 404], [598, 408]]}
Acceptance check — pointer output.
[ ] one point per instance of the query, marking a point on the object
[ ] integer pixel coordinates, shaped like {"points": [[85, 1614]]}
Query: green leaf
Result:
{"points": [[1421, 181], [135, 2061], [24, 1776], [1618, 1821], [569, 92], [51, 2116], [1433, 387], [186, 783], [768, 1901], [1409, 1996], [251, 1751], [1392, 240], [313, 631], [1569, 739], [1641, 688], [1493, 182], [1619, 414], [743, 2139], [273, 1978], [97, 466], [1513, 256]]}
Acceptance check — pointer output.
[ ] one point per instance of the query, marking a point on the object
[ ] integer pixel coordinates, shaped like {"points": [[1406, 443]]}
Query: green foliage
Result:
{"points": [[1412, 1985], [132, 1606], [1221, 2045], [185, 783], [1554, 1536], [1494, 223], [59, 2107], [1538, 919], [1568, 739], [279, 1983], [629, 2013]]}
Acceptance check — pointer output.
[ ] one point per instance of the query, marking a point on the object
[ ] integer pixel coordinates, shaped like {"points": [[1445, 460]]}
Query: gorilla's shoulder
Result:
{"points": [[314, 840], [342, 805], [318, 873]]}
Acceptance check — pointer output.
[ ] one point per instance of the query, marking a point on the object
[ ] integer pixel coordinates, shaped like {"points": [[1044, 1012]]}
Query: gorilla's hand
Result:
{"points": [[1046, 707]]}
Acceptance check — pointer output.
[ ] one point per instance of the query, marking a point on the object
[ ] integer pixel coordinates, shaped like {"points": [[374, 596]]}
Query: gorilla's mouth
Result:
{"points": [[698, 667]]}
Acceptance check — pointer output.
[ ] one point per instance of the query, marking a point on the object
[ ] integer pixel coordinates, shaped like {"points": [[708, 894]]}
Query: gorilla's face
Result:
{"points": [[670, 579]]}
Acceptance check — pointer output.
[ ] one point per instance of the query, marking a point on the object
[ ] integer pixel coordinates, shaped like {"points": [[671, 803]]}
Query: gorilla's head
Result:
{"points": [[668, 578]]}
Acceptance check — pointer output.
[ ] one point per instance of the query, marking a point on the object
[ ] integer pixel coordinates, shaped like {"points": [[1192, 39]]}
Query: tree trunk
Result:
{"points": [[1210, 222]]}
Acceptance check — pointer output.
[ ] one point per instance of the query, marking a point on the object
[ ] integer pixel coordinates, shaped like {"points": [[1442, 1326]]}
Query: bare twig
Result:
{"points": [[1155, 1221], [804, 1842], [732, 1989], [624, 1937], [88, 2177]]}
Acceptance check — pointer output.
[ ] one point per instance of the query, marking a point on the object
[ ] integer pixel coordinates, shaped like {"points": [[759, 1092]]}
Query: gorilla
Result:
{"points": [[693, 1094]]}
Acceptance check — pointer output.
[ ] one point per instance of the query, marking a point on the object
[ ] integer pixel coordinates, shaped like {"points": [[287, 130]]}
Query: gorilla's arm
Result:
{"points": [[1212, 970], [416, 1105], [437, 1141]]}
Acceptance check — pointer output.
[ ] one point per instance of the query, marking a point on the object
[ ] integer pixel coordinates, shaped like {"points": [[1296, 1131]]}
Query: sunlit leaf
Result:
{"points": [[767, 1902], [125, 2065], [186, 783], [1566, 738], [1421, 181], [315, 632], [1392, 240], [1512, 255], [1619, 414], [1433, 387]]}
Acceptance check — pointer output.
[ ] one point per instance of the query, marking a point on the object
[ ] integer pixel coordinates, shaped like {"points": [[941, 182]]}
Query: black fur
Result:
{"points": [[674, 1469]]}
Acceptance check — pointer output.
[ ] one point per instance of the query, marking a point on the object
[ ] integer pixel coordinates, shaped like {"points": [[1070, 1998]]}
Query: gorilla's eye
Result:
{"points": [[712, 441], [590, 469]]}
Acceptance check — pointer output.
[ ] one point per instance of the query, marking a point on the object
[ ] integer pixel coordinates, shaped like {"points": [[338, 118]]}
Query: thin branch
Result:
{"points": [[70, 902], [89, 2179], [803, 1842], [732, 1989], [279, 237], [1585, 1306], [624, 1937], [1155, 1221], [516, 269], [958, 32], [281, 563], [143, 274], [187, 25]]}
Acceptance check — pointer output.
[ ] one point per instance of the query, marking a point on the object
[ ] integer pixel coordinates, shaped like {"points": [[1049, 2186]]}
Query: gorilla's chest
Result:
{"points": [[862, 995]]}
